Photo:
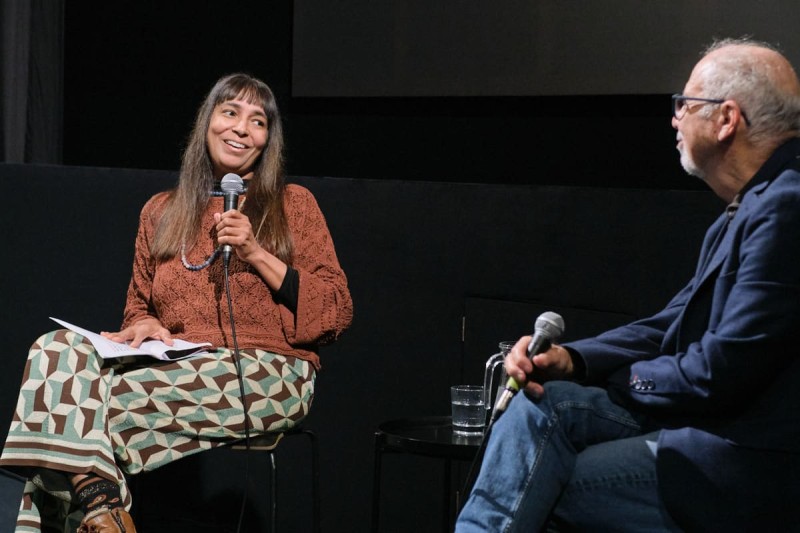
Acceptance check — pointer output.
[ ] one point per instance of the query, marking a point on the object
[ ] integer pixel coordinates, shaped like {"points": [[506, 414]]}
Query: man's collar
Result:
{"points": [[785, 154]]}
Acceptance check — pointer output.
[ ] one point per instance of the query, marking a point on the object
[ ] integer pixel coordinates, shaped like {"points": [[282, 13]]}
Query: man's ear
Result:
{"points": [[729, 119]]}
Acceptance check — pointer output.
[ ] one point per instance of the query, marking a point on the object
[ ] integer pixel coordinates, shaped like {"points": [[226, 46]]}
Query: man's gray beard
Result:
{"points": [[690, 168]]}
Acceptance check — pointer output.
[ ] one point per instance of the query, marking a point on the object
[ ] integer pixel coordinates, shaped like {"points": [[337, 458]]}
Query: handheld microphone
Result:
{"points": [[232, 186], [549, 327]]}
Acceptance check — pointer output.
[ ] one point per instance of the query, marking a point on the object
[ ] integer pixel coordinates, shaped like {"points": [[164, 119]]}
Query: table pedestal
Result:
{"points": [[426, 436]]}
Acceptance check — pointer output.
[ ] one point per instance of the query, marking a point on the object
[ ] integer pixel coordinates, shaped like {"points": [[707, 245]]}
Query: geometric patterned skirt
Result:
{"points": [[80, 413]]}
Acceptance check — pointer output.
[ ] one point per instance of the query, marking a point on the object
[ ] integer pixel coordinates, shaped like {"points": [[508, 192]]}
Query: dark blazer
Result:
{"points": [[719, 366]]}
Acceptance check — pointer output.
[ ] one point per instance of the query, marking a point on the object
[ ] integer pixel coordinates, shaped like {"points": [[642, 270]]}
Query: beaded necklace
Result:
{"points": [[210, 259], [216, 191]]}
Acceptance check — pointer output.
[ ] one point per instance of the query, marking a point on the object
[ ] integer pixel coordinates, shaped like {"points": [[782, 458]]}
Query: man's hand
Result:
{"points": [[555, 363]]}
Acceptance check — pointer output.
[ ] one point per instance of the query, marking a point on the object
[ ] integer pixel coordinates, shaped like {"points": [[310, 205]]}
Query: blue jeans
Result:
{"points": [[571, 460]]}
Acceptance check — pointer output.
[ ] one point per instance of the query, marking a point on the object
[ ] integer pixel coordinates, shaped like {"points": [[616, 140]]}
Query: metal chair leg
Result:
{"points": [[315, 492], [273, 492], [315, 489], [273, 476]]}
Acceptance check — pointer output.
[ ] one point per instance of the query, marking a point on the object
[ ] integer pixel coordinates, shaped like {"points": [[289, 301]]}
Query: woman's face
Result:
{"points": [[237, 134]]}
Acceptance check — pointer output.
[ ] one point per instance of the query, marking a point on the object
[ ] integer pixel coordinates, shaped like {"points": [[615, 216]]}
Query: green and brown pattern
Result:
{"points": [[79, 413]]}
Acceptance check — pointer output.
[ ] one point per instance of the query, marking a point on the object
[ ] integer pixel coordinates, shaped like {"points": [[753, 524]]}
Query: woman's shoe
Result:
{"points": [[103, 520]]}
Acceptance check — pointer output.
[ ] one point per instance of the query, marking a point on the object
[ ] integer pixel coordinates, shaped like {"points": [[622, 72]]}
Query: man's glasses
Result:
{"points": [[679, 106]]}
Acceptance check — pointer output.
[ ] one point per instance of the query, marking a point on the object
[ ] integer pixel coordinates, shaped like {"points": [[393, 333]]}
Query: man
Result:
{"points": [[689, 419]]}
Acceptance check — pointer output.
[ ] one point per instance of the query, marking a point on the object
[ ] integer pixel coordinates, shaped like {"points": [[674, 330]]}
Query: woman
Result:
{"points": [[288, 296]]}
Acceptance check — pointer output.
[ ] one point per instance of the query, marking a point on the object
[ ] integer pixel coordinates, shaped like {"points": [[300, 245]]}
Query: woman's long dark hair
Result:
{"points": [[182, 215]]}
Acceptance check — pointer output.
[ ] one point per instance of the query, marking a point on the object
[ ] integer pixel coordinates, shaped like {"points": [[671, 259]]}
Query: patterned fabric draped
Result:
{"points": [[78, 413]]}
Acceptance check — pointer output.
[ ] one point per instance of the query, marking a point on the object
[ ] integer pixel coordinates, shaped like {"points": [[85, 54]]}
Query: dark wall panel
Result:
{"points": [[136, 71], [517, 47]]}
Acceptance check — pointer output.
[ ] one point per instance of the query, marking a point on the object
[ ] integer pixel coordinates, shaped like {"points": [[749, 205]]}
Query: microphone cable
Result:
{"points": [[472, 474], [237, 363], [232, 186]]}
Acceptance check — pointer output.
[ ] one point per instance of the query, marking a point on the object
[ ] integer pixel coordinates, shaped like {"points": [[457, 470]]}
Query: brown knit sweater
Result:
{"points": [[193, 304]]}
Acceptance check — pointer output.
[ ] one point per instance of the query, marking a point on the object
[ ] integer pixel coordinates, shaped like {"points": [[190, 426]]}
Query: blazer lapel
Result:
{"points": [[714, 252]]}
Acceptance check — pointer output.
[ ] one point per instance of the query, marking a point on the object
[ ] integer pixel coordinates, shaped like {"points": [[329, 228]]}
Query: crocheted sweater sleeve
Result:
{"points": [[324, 306]]}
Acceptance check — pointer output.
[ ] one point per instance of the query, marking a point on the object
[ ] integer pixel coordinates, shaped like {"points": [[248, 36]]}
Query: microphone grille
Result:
{"points": [[550, 324], [232, 183]]}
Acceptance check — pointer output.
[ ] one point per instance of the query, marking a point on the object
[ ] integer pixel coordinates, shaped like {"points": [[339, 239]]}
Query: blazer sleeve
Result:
{"points": [[621, 347], [740, 328], [644, 339]]}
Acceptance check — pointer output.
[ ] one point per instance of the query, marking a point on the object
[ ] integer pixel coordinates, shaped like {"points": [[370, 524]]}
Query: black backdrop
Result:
{"points": [[135, 72], [422, 259], [457, 220]]}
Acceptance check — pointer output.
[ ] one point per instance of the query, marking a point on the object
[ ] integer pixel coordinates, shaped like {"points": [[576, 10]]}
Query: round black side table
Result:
{"points": [[427, 436]]}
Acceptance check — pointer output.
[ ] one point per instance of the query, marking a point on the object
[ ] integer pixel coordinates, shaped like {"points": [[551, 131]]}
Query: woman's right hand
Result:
{"points": [[147, 328]]}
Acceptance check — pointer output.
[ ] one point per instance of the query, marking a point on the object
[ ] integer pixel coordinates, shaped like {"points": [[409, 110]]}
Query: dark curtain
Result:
{"points": [[32, 80]]}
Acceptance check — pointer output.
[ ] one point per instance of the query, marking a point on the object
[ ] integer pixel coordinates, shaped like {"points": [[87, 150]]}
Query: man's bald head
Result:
{"points": [[760, 79]]}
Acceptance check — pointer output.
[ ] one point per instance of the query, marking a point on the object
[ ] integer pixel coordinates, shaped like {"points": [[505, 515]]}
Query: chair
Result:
{"points": [[268, 443]]}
